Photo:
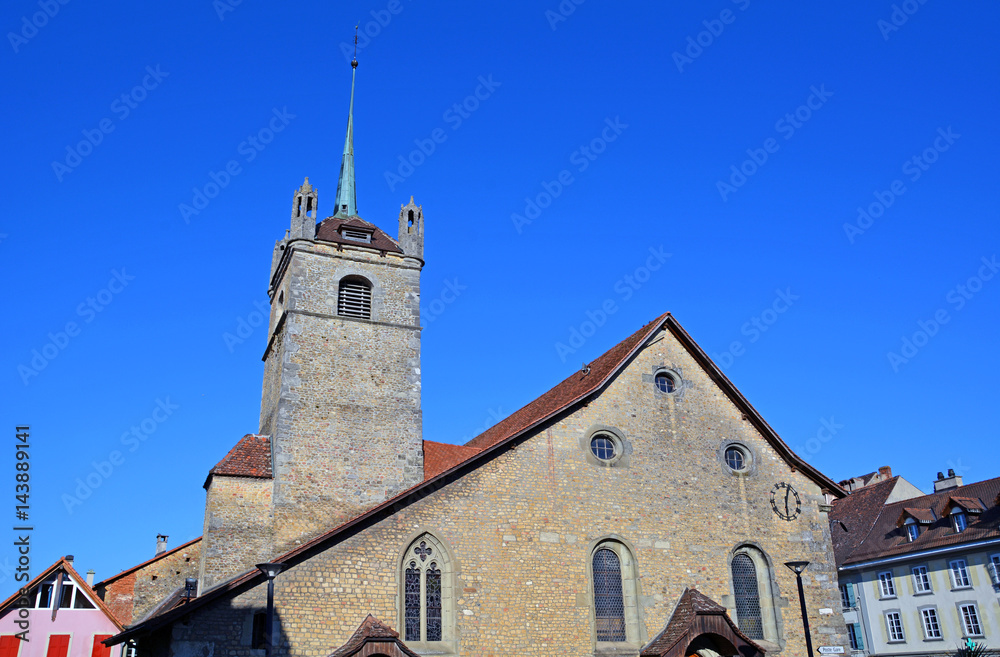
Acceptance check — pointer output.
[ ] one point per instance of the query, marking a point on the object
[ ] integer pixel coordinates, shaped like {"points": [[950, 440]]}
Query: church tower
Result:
{"points": [[341, 393]]}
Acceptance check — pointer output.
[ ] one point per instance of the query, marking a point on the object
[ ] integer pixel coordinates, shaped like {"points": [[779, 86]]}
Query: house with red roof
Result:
{"points": [[919, 574], [58, 614]]}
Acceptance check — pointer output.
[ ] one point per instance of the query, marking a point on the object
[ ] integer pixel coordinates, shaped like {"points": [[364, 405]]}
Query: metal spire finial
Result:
{"points": [[347, 197]]}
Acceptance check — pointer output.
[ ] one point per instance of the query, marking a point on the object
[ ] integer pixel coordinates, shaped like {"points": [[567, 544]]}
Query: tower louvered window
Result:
{"points": [[609, 604], [355, 298], [747, 596]]}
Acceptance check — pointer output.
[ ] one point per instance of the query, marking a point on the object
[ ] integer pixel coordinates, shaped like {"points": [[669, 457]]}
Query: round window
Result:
{"points": [[665, 382], [736, 459], [603, 447]]}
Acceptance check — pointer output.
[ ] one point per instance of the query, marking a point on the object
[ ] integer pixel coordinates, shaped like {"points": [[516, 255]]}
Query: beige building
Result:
{"points": [[642, 505]]}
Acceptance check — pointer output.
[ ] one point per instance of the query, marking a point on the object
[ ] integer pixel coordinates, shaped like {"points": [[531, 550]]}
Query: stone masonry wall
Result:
{"points": [[133, 596], [520, 531], [347, 428], [238, 528]]}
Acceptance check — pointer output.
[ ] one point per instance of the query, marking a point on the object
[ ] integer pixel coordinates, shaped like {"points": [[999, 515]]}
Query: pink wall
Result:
{"points": [[80, 624]]}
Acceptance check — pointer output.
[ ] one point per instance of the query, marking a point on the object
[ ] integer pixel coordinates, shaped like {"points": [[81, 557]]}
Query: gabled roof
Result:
{"points": [[921, 516], [67, 567], [967, 504], [854, 516], [885, 539], [694, 615], [328, 230], [561, 400], [251, 457], [131, 570], [372, 630]]}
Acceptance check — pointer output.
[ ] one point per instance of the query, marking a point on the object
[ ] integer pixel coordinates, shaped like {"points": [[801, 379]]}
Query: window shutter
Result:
{"points": [[9, 646], [100, 650], [58, 645], [858, 636], [850, 595]]}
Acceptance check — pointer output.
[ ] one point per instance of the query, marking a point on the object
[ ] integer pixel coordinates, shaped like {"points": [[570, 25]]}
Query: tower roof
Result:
{"points": [[347, 197]]}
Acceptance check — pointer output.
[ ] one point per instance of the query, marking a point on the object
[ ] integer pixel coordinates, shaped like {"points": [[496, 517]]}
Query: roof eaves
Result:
{"points": [[146, 562]]}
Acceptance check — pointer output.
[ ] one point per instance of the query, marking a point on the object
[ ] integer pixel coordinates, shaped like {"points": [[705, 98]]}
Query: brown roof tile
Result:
{"points": [[328, 230], [372, 629], [886, 539], [853, 516], [439, 457], [579, 384], [692, 604], [250, 458], [922, 516]]}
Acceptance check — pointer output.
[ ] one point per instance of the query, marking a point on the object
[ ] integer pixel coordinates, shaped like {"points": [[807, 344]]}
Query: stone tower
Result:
{"points": [[341, 393], [340, 418]]}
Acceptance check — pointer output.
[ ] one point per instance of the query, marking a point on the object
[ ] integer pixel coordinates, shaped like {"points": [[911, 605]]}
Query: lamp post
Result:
{"points": [[798, 567], [271, 571]]}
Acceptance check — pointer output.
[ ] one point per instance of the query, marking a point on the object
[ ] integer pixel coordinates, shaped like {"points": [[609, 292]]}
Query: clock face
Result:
{"points": [[785, 501]]}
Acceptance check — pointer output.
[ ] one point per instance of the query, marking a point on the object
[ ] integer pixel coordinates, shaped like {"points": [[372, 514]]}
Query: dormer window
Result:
{"points": [[912, 530], [356, 234], [959, 521]]}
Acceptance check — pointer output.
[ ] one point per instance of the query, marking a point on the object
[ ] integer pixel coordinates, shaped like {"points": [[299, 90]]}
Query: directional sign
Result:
{"points": [[831, 650]]}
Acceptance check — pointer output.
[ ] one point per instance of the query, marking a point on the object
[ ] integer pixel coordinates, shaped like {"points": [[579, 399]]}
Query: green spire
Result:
{"points": [[347, 196]]}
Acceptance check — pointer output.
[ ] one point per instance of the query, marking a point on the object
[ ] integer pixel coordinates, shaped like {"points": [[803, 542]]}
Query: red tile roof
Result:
{"points": [[886, 539], [578, 385], [373, 630], [922, 516], [250, 458], [328, 230], [439, 457]]}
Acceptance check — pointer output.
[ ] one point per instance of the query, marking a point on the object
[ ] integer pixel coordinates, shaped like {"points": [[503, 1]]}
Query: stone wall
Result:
{"points": [[520, 531], [238, 528], [134, 595]]}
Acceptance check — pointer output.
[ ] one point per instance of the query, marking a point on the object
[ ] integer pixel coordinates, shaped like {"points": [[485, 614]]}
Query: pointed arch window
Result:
{"points": [[426, 594], [354, 298]]}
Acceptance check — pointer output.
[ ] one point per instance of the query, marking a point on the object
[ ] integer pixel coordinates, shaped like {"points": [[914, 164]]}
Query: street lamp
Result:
{"points": [[798, 567], [271, 571]]}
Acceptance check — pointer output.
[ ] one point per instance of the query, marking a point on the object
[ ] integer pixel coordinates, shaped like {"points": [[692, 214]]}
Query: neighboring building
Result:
{"points": [[919, 573], [641, 505], [62, 615], [134, 593]]}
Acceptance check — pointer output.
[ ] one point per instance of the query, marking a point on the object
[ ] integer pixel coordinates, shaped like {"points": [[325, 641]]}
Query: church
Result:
{"points": [[642, 506]]}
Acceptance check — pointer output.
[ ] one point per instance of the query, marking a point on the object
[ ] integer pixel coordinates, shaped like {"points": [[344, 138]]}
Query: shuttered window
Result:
{"points": [[100, 650], [355, 298], [9, 645], [747, 596], [58, 645], [854, 634]]}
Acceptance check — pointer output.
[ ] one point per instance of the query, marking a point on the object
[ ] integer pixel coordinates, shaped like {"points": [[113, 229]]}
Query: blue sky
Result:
{"points": [[741, 138]]}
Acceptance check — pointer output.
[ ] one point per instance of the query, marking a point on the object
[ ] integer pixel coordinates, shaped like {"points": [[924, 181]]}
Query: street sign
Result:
{"points": [[831, 650]]}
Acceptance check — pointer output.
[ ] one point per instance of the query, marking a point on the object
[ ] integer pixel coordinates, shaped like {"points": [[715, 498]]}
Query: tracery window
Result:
{"points": [[426, 591]]}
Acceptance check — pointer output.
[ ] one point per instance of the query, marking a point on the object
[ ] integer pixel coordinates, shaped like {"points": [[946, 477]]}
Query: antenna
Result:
{"points": [[354, 62]]}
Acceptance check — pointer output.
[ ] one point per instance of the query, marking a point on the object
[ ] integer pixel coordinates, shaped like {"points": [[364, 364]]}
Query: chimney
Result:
{"points": [[947, 483], [161, 543], [885, 472], [90, 577]]}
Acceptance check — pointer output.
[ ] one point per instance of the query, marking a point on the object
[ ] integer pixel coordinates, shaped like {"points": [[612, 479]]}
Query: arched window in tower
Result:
{"points": [[410, 219], [747, 596], [426, 594], [355, 298], [609, 600]]}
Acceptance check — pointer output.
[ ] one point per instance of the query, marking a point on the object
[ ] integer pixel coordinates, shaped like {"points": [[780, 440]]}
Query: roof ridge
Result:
{"points": [[159, 556]]}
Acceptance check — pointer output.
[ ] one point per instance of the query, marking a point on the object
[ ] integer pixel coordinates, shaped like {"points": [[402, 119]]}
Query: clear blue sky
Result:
{"points": [[862, 99]]}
